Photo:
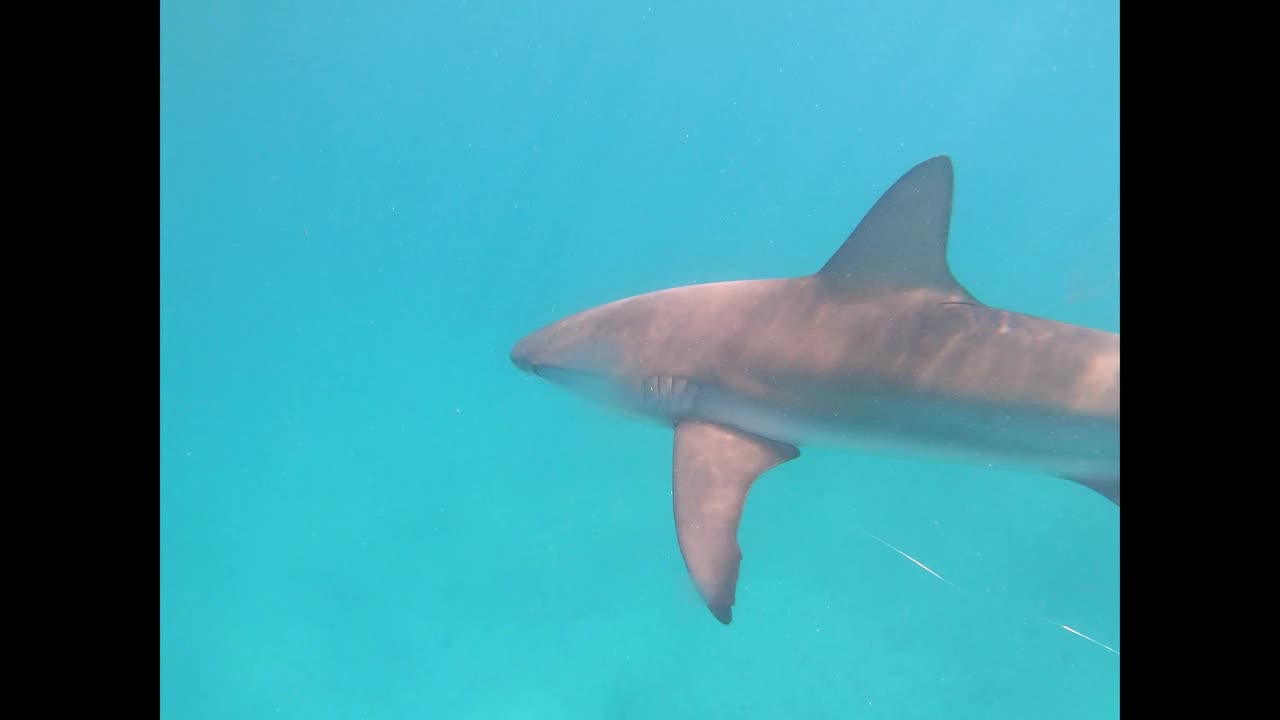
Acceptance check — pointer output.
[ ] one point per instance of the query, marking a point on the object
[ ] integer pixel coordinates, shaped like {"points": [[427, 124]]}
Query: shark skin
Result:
{"points": [[882, 350]]}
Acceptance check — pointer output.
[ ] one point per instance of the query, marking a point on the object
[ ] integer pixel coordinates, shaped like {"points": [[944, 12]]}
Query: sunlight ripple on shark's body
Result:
{"points": [[881, 350]]}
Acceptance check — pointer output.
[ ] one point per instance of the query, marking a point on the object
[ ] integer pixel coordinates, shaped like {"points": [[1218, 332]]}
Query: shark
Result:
{"points": [[881, 350]]}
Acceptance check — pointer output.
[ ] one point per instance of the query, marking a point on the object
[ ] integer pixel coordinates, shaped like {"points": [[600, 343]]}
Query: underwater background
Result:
{"points": [[367, 512]]}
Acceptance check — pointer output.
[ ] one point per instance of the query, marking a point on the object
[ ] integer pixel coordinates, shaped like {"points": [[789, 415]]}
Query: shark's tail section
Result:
{"points": [[1107, 486]]}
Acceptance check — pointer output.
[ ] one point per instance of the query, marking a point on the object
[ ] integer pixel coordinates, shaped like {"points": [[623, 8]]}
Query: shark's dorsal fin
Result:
{"points": [[712, 470], [901, 243]]}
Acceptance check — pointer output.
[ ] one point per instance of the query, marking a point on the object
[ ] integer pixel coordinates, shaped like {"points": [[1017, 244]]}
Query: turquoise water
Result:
{"points": [[367, 512]]}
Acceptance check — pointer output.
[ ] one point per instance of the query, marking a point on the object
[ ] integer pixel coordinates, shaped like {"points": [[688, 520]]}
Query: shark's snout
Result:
{"points": [[521, 361], [522, 356]]}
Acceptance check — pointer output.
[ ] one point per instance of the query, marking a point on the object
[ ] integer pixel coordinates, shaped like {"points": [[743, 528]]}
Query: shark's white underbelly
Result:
{"points": [[1055, 443]]}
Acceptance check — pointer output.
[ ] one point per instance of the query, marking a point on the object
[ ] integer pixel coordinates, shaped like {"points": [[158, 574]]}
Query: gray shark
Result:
{"points": [[881, 350]]}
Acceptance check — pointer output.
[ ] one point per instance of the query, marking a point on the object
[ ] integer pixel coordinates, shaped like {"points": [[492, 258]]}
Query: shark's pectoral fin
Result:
{"points": [[713, 468]]}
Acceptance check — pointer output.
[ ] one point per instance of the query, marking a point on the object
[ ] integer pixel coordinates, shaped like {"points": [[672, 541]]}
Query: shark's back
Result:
{"points": [[917, 370]]}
